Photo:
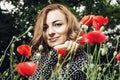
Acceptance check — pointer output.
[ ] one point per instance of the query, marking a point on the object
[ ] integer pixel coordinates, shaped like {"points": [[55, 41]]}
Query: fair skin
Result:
{"points": [[55, 33]]}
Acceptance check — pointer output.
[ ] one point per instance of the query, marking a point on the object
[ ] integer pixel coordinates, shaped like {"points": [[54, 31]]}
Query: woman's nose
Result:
{"points": [[51, 32]]}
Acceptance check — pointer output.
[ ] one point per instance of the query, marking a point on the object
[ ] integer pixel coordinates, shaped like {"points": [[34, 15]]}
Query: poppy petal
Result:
{"points": [[24, 50], [26, 69], [61, 52], [118, 57], [96, 37]]}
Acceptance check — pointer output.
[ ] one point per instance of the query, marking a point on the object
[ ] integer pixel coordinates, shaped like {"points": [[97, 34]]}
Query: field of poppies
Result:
{"points": [[101, 66]]}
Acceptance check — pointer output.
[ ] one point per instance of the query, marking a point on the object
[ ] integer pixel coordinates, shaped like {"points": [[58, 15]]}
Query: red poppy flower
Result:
{"points": [[26, 69], [99, 21], [61, 52], [96, 37], [118, 57], [24, 50], [83, 39], [87, 20]]}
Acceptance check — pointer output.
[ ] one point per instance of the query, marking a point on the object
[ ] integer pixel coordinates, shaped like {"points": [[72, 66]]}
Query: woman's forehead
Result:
{"points": [[55, 15]]}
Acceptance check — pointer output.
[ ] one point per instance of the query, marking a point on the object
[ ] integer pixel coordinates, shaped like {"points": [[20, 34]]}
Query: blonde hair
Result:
{"points": [[72, 24]]}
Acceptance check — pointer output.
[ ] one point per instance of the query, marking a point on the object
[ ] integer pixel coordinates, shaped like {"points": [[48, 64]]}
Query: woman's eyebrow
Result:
{"points": [[45, 24], [56, 21]]}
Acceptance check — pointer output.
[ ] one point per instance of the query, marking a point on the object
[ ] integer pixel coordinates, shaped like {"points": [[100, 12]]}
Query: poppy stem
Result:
{"points": [[5, 52], [117, 38], [29, 29], [98, 55], [11, 57], [78, 33], [95, 54]]}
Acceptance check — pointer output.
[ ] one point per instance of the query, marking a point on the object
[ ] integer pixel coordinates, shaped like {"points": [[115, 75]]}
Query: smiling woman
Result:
{"points": [[55, 33], [57, 28]]}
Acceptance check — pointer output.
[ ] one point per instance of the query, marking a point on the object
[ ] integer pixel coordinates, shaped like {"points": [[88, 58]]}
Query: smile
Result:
{"points": [[53, 39]]}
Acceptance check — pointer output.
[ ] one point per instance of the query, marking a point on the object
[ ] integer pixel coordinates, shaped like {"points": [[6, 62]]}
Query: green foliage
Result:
{"points": [[24, 15]]}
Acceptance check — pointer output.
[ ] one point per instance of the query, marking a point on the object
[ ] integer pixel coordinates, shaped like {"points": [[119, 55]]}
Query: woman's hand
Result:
{"points": [[69, 45]]}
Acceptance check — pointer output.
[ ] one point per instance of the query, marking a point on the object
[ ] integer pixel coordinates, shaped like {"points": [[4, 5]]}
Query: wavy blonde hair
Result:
{"points": [[72, 24]]}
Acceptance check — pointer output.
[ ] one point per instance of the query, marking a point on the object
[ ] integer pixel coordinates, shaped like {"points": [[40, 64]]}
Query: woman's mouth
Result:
{"points": [[53, 39]]}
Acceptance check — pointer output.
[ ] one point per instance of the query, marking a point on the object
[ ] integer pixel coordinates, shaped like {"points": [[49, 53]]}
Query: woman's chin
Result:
{"points": [[55, 44]]}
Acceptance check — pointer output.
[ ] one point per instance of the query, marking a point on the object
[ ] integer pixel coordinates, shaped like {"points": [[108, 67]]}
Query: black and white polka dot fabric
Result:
{"points": [[47, 64]]}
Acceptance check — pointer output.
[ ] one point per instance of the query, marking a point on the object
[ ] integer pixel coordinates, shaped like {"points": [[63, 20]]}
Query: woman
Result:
{"points": [[56, 27]]}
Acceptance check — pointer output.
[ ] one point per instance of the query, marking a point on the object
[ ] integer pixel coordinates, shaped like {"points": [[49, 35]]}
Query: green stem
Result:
{"points": [[79, 33], [69, 57], [112, 59], [69, 63], [94, 53], [98, 57], [88, 48], [5, 52], [59, 64], [11, 50], [29, 29], [119, 67], [11, 57], [11, 74], [12, 41], [117, 38]]}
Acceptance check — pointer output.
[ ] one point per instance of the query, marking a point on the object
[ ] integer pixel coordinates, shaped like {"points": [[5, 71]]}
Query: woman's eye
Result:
{"points": [[58, 24]]}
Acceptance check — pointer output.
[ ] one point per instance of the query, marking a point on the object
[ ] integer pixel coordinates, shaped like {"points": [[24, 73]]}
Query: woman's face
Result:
{"points": [[55, 28]]}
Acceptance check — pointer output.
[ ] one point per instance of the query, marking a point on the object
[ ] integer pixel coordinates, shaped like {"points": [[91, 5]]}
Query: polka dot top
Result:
{"points": [[48, 62]]}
